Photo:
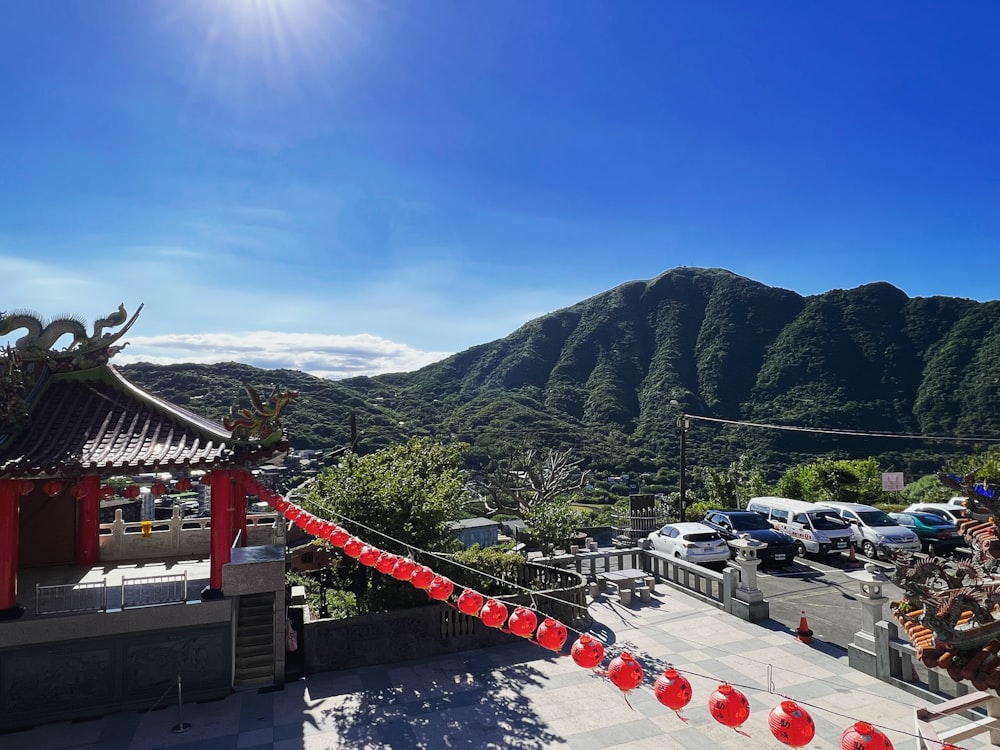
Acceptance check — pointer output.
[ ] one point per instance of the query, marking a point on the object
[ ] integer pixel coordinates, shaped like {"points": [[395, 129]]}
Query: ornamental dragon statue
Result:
{"points": [[264, 422], [84, 350]]}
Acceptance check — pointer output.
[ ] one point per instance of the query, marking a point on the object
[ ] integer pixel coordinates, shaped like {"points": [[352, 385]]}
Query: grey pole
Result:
{"points": [[181, 726]]}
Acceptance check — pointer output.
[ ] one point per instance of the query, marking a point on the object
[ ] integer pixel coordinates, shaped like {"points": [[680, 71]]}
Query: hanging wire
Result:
{"points": [[848, 433]]}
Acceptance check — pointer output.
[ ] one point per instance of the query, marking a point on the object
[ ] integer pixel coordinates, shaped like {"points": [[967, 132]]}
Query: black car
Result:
{"points": [[732, 524]]}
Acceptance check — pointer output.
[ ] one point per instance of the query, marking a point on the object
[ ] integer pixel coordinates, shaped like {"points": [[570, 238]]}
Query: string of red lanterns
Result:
{"points": [[788, 722]]}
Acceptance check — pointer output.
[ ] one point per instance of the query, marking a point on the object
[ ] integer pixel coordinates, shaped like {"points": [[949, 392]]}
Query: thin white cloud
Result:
{"points": [[323, 355]]}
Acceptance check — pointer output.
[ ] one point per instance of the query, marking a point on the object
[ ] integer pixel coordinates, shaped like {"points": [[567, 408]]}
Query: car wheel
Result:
{"points": [[801, 548], [678, 555], [869, 550]]}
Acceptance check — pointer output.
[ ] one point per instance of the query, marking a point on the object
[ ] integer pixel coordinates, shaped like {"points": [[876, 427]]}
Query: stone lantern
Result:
{"points": [[747, 596]]}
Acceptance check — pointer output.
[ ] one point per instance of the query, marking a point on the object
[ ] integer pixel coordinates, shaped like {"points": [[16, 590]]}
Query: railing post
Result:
{"points": [[862, 654]]}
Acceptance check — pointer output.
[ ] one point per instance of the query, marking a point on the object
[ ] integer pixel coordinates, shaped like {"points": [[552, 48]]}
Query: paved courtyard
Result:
{"points": [[524, 697]]}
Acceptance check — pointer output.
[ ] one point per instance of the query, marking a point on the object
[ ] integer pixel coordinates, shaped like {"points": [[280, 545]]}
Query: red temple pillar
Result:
{"points": [[240, 507], [88, 516], [221, 538], [10, 507]]}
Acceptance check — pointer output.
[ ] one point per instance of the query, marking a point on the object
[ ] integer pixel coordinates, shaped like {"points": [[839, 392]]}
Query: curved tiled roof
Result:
{"points": [[96, 421]]}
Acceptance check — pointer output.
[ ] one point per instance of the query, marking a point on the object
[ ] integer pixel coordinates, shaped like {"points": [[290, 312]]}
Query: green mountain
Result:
{"points": [[609, 375]]}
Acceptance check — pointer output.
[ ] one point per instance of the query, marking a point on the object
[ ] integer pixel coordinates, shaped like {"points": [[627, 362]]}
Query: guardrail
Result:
{"points": [[178, 536], [149, 591], [710, 586]]}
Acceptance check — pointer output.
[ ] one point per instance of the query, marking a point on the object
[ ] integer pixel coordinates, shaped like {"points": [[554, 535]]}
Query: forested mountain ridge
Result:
{"points": [[600, 376]]}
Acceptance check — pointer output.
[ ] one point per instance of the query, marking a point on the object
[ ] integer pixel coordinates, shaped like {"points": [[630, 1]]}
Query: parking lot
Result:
{"points": [[823, 589]]}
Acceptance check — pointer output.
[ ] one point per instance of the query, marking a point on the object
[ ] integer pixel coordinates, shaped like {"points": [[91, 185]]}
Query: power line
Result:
{"points": [[847, 433]]}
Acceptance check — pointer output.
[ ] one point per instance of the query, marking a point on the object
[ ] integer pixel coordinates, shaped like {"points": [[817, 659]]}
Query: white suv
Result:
{"points": [[874, 531]]}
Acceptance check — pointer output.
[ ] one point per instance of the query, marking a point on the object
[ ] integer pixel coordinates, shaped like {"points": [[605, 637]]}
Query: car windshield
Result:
{"points": [[875, 518], [827, 521], [701, 536], [748, 522]]}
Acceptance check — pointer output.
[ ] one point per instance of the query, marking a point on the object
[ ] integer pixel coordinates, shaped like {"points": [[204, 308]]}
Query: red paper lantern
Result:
{"points": [[422, 577], [132, 491], [386, 562], [78, 491], [551, 634], [107, 491], [440, 588], [672, 690], [369, 556], [625, 672], [791, 724], [728, 705], [403, 570], [52, 488], [493, 614], [353, 547], [470, 602], [588, 652], [183, 485], [338, 536], [863, 736], [279, 504], [522, 622], [206, 479], [312, 524], [158, 489], [25, 486]]}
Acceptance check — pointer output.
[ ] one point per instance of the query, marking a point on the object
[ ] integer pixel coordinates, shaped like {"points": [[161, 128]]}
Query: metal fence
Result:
{"points": [[100, 597]]}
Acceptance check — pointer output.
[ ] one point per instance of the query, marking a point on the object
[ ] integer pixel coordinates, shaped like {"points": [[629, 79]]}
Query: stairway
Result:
{"points": [[254, 657]]}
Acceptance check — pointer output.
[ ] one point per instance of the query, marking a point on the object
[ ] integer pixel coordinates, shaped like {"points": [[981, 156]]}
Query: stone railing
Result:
{"points": [[718, 588], [179, 536]]}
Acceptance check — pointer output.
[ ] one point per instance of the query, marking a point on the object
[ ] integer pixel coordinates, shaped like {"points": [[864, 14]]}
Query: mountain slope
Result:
{"points": [[608, 376]]}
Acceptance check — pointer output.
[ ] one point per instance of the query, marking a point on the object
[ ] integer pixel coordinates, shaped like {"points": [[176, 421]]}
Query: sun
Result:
{"points": [[240, 44]]}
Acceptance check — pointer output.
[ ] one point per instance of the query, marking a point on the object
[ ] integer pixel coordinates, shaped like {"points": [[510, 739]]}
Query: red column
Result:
{"points": [[88, 517], [240, 506], [221, 538], [10, 506]]}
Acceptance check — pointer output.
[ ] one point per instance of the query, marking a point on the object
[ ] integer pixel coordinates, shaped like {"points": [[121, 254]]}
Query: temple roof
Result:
{"points": [[96, 421]]}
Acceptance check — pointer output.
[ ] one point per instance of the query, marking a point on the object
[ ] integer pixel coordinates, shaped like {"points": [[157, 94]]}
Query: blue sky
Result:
{"points": [[355, 188]]}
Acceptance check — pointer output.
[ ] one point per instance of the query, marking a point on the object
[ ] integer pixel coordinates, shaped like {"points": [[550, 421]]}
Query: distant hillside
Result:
{"points": [[600, 377]]}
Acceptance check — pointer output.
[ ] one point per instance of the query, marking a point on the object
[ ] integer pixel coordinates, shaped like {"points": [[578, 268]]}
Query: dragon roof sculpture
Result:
{"points": [[85, 350], [951, 609]]}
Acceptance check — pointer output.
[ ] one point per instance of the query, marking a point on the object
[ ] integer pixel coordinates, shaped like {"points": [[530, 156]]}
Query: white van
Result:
{"points": [[815, 529], [874, 531]]}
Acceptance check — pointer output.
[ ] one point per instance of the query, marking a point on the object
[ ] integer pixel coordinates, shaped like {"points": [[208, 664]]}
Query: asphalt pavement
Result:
{"points": [[824, 590]]}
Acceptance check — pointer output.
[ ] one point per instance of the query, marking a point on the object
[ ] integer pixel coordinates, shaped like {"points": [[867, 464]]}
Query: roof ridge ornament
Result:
{"points": [[84, 351], [264, 422]]}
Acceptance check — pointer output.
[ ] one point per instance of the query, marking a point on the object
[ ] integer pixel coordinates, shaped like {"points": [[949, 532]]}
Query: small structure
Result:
{"points": [[481, 531], [68, 422]]}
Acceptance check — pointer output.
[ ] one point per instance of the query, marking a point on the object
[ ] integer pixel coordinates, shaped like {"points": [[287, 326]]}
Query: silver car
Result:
{"points": [[694, 542]]}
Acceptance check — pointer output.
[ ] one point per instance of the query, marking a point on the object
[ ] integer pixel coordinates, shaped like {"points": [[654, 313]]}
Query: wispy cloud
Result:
{"points": [[323, 355]]}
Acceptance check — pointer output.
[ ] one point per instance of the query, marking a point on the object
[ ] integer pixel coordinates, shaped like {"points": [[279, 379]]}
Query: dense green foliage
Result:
{"points": [[600, 377], [398, 499]]}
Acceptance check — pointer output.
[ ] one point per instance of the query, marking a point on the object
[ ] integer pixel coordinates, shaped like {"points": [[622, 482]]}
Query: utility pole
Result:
{"points": [[682, 427]]}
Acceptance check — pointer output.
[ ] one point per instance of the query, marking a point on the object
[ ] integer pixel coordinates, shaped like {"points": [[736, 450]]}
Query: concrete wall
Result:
{"points": [[126, 661]]}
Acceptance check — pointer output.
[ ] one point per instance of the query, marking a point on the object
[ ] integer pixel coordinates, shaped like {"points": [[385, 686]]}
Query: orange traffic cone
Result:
{"points": [[804, 634], [850, 556]]}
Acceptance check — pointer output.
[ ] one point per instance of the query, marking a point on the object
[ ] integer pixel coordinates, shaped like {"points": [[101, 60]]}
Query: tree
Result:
{"points": [[407, 492], [398, 499], [553, 521], [527, 478], [733, 487]]}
